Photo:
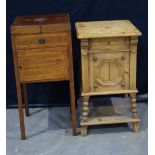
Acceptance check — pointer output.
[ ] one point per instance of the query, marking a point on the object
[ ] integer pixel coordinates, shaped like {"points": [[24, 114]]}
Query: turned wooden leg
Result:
{"points": [[85, 111], [20, 109], [72, 107], [25, 97], [84, 131], [134, 111], [85, 108]]}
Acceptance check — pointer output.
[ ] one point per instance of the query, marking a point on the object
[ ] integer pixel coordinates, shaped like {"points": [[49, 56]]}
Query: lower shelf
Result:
{"points": [[108, 120]]}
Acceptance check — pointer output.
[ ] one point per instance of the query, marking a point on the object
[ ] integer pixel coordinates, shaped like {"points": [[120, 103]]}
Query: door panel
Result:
{"points": [[43, 64], [109, 71]]}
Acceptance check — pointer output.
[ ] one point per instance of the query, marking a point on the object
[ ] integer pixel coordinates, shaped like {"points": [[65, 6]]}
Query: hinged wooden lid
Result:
{"points": [[100, 29], [41, 23]]}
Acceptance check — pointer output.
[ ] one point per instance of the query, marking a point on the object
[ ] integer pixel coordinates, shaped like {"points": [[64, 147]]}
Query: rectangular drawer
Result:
{"points": [[30, 41], [43, 64], [109, 44]]}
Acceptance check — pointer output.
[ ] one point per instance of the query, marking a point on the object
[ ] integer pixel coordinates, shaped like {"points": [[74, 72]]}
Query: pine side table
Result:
{"points": [[42, 52], [108, 60]]}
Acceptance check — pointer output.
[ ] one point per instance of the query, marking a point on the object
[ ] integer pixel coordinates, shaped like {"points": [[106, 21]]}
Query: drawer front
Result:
{"points": [[109, 71], [108, 44], [41, 40], [43, 64]]}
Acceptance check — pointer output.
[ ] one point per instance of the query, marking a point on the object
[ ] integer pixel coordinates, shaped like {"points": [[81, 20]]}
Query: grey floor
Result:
{"points": [[49, 133]]}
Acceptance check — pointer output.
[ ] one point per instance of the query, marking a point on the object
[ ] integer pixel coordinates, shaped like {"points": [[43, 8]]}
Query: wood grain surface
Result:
{"points": [[99, 29]]}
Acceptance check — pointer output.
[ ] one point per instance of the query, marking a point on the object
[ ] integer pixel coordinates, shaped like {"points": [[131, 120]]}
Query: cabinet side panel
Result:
{"points": [[85, 64], [133, 62]]}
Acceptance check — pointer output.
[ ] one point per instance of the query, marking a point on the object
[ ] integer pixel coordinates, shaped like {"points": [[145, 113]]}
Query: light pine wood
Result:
{"points": [[108, 57], [110, 71], [102, 29], [42, 52], [109, 120], [85, 65], [136, 126], [84, 130], [133, 105], [85, 108], [109, 44], [134, 111], [85, 113], [133, 62], [112, 92]]}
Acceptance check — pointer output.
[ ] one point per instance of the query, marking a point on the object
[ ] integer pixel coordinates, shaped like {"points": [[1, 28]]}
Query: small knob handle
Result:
{"points": [[109, 42], [94, 58], [20, 66], [123, 84], [41, 40], [95, 85], [123, 57]]}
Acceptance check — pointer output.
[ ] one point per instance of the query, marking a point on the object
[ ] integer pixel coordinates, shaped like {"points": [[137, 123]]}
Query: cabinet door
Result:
{"points": [[46, 64], [109, 71]]}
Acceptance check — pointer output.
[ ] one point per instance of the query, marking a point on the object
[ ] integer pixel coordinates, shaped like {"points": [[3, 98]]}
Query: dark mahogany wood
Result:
{"points": [[42, 52], [25, 98]]}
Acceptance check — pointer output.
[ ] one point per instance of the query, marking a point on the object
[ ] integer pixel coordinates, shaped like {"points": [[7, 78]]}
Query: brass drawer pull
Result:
{"points": [[41, 40]]}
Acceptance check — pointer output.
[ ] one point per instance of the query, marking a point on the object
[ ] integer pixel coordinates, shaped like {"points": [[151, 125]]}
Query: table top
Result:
{"points": [[34, 23], [41, 19], [100, 29]]}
